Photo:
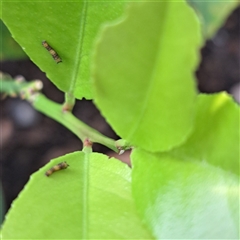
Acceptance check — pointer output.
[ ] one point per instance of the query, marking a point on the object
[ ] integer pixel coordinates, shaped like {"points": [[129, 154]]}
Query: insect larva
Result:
{"points": [[59, 166], [52, 52]]}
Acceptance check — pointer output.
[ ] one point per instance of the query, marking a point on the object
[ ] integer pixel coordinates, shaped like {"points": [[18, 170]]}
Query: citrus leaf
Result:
{"points": [[185, 199], [143, 71], [91, 199], [69, 28], [216, 137]]}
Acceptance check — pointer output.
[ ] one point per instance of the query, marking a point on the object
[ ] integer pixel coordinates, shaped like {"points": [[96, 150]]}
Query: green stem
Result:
{"points": [[67, 119], [69, 102], [61, 113]]}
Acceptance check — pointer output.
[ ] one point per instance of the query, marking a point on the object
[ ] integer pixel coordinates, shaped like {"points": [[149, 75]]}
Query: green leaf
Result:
{"points": [[69, 28], [143, 72], [215, 138], [213, 14], [91, 199], [181, 199]]}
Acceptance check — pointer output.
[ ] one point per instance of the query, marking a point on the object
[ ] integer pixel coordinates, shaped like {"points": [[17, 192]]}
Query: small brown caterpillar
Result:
{"points": [[59, 166], [52, 52]]}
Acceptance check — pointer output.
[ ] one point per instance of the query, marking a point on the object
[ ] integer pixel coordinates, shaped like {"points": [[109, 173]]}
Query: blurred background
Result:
{"points": [[28, 140]]}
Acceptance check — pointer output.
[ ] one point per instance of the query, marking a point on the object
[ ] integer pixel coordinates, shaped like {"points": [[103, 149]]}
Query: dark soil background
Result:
{"points": [[29, 140]]}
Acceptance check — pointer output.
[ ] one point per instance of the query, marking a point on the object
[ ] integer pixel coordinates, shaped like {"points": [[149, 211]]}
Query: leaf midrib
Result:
{"points": [[79, 47], [150, 86], [85, 198]]}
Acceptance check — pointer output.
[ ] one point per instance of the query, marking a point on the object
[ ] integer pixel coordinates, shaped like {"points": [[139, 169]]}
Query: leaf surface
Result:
{"points": [[181, 199], [91, 199], [193, 191], [216, 136], [143, 73], [69, 28]]}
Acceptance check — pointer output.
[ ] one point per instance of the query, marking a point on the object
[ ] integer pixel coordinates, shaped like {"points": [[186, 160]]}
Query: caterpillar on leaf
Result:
{"points": [[59, 166], [52, 52]]}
